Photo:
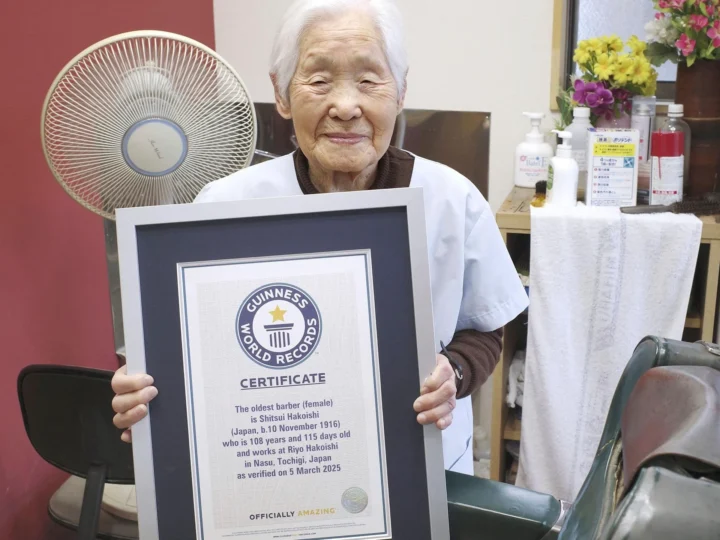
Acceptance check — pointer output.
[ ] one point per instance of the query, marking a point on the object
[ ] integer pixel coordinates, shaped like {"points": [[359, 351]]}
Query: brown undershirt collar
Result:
{"points": [[394, 170]]}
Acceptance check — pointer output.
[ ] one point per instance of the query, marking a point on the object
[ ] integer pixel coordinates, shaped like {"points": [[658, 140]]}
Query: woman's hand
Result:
{"points": [[132, 394], [437, 396]]}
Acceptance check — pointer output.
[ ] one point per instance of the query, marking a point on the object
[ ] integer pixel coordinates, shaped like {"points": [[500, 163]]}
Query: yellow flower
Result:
{"points": [[595, 45], [614, 43], [624, 66], [620, 79], [582, 56], [605, 67], [636, 46], [583, 45], [651, 86], [641, 71]]}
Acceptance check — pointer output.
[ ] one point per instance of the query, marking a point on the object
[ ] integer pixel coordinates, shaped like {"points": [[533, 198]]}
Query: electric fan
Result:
{"points": [[146, 118], [141, 119]]}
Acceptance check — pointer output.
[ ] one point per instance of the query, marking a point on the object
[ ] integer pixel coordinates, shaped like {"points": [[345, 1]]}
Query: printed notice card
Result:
{"points": [[283, 398]]}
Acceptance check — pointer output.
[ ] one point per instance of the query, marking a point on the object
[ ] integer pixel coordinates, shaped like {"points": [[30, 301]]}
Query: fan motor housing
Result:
{"points": [[155, 147]]}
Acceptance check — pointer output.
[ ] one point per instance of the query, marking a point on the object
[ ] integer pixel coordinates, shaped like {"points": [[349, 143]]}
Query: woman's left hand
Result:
{"points": [[437, 396]]}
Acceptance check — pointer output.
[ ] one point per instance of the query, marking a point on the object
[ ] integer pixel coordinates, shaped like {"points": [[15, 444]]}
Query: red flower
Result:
{"points": [[714, 34], [686, 45], [709, 7], [698, 22]]}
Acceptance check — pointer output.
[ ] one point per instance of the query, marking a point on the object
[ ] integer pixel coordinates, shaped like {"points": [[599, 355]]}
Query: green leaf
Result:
{"points": [[659, 53], [703, 9], [565, 108], [708, 52], [691, 59]]}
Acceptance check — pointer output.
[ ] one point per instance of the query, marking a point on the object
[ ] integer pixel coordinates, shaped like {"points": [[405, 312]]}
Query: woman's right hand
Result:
{"points": [[132, 394]]}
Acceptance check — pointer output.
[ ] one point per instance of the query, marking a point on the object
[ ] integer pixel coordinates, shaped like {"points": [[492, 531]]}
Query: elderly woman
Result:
{"points": [[339, 72]]}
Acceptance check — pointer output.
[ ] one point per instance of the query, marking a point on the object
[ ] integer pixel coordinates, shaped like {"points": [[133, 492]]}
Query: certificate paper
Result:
{"points": [[283, 398]]}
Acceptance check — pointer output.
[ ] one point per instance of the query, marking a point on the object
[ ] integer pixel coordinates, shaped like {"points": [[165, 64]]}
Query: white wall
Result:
{"points": [[468, 55]]}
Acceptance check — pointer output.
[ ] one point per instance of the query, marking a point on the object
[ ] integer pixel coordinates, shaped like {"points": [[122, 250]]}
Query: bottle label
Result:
{"points": [[666, 182], [581, 157], [533, 169]]}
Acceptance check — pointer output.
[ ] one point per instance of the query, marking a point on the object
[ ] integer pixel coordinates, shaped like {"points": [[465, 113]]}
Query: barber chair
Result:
{"points": [[656, 474], [68, 420]]}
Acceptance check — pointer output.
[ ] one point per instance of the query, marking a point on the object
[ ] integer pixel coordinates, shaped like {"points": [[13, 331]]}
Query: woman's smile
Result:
{"points": [[345, 138]]}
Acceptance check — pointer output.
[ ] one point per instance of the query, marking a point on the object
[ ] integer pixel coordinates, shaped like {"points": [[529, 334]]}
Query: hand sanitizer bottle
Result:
{"points": [[563, 175], [532, 157]]}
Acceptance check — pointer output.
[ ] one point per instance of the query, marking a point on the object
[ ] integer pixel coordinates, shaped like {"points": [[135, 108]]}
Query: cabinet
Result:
{"points": [[513, 219]]}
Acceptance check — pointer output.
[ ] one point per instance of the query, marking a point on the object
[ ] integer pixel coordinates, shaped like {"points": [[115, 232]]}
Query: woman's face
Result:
{"points": [[343, 97]]}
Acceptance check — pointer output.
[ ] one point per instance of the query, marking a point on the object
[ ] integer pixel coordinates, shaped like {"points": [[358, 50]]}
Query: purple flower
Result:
{"points": [[621, 95], [592, 100], [602, 98], [622, 98], [582, 89], [593, 95]]}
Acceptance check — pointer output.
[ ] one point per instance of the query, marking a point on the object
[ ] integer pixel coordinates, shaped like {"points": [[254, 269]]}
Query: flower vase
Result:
{"points": [[621, 122], [698, 90]]}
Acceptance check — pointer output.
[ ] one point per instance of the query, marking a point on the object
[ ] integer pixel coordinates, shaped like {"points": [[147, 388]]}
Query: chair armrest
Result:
{"points": [[481, 509]]}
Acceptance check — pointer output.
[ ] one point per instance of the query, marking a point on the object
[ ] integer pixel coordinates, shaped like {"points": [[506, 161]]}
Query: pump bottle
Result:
{"points": [[563, 175], [532, 157]]}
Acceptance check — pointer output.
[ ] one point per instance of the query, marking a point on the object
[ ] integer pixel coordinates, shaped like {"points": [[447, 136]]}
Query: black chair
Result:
{"points": [[68, 419]]}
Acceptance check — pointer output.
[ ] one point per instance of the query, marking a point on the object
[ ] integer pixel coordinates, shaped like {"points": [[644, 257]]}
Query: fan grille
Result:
{"points": [[107, 93]]}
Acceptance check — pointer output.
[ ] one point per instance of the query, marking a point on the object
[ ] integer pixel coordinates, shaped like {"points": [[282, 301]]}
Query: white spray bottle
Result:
{"points": [[563, 175], [532, 157]]}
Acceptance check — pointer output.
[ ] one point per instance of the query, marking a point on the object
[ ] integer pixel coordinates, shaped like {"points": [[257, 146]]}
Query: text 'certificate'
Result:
{"points": [[283, 398]]}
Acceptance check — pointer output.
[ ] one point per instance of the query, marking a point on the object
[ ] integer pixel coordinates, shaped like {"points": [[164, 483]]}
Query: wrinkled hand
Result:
{"points": [[437, 396], [132, 394]]}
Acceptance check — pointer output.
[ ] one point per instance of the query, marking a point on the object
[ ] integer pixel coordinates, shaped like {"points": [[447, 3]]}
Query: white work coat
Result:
{"points": [[473, 280]]}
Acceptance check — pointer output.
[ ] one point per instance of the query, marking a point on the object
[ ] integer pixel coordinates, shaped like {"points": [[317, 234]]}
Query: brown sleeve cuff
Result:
{"points": [[477, 353]]}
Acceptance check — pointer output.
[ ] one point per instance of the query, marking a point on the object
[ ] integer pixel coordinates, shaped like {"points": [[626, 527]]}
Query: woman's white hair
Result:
{"points": [[302, 13]]}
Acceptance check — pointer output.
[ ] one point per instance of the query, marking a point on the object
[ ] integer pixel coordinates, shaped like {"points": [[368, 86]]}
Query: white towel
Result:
{"points": [[601, 281], [516, 378]]}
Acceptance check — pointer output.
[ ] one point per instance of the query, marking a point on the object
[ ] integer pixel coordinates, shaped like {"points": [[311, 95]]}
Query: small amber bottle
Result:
{"points": [[540, 191]]}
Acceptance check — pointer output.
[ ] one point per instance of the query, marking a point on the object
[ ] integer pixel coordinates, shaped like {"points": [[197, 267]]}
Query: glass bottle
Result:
{"points": [[673, 123]]}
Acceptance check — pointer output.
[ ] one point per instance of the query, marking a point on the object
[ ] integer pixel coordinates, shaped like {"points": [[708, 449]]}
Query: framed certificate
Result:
{"points": [[288, 339]]}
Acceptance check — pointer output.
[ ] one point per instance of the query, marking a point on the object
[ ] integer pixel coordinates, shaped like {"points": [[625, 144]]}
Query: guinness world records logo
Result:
{"points": [[278, 326]]}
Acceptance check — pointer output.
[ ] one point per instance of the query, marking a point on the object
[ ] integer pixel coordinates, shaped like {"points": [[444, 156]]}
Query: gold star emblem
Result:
{"points": [[278, 314]]}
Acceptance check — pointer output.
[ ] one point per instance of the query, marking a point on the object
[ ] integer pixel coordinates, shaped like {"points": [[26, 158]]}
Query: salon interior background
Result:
{"points": [[54, 304]]}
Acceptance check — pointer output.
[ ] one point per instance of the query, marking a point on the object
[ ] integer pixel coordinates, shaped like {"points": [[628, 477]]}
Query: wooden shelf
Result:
{"points": [[512, 428], [514, 216]]}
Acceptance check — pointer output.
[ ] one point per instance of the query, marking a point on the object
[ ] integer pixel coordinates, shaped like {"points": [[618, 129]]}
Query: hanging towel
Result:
{"points": [[601, 281]]}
